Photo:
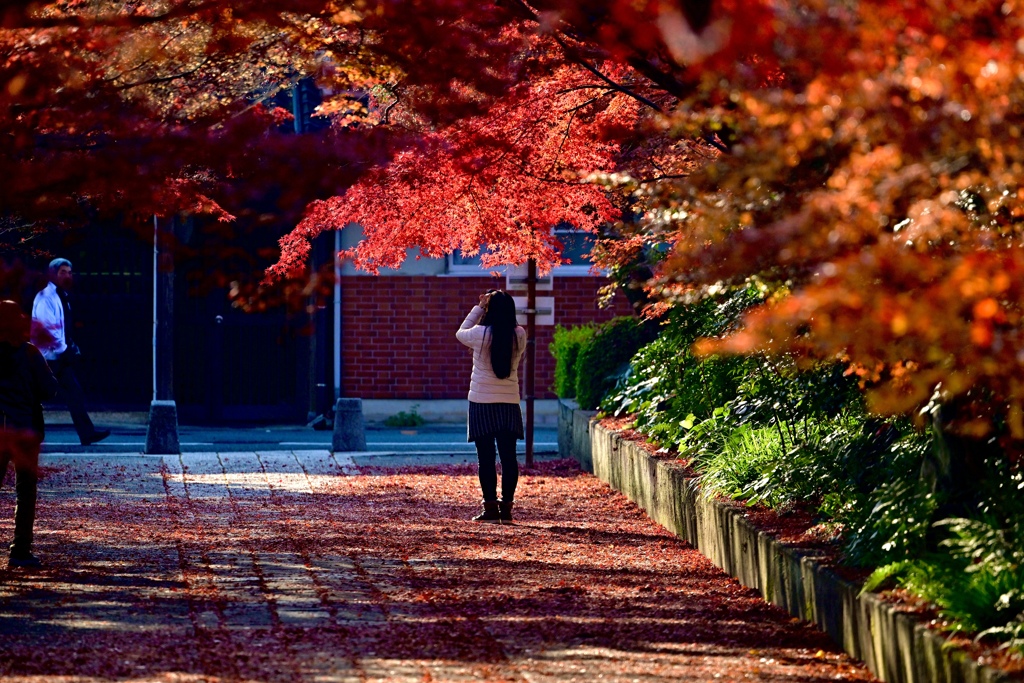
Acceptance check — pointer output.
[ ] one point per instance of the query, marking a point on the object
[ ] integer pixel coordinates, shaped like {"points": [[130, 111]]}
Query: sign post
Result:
{"points": [[531, 311], [531, 353]]}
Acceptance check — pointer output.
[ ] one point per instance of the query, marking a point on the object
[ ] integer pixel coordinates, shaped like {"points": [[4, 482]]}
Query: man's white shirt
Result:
{"points": [[48, 313]]}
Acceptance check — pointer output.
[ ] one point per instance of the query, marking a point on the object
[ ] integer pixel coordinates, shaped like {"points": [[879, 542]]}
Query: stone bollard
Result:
{"points": [[162, 432], [349, 432]]}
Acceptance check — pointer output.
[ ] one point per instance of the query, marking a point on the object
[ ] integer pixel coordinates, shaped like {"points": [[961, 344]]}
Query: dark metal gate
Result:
{"points": [[235, 366], [113, 302], [228, 365]]}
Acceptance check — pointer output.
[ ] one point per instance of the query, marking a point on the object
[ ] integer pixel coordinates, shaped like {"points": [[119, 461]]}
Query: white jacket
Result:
{"points": [[48, 318], [484, 385]]}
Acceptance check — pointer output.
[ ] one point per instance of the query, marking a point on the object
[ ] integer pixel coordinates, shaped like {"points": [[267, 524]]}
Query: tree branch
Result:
{"points": [[592, 86], [574, 55], [658, 178], [165, 79], [386, 116], [143, 63], [666, 81], [568, 128]]}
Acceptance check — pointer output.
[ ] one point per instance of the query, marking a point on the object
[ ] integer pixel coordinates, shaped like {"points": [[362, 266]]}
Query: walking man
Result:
{"points": [[54, 335]]}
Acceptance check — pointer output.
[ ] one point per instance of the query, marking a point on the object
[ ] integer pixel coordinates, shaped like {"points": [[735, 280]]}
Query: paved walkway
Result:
{"points": [[299, 566]]}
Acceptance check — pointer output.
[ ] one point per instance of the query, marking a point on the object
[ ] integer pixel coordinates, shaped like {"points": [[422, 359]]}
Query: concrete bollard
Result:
{"points": [[162, 432], [349, 431]]}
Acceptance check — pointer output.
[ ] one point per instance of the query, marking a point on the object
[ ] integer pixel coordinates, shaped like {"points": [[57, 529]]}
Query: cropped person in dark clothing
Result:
{"points": [[25, 382]]}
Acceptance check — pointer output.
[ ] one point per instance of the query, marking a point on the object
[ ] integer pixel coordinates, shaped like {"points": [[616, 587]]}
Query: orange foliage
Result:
{"points": [[879, 182], [865, 158]]}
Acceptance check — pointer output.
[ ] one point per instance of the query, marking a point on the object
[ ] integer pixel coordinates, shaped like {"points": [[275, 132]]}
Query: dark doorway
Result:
{"points": [[113, 312], [229, 365], [235, 366]]}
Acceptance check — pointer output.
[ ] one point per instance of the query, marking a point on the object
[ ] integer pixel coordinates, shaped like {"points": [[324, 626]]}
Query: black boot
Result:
{"points": [[505, 511], [490, 513], [23, 559]]}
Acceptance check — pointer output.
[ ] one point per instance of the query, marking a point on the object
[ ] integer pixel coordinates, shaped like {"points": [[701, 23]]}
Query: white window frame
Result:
{"points": [[477, 270], [469, 269], [573, 269]]}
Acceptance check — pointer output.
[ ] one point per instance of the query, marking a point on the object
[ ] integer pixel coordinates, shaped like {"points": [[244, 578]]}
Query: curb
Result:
{"points": [[895, 646]]}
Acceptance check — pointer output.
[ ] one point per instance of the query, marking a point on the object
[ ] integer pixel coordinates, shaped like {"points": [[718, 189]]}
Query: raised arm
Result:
{"points": [[470, 333]]}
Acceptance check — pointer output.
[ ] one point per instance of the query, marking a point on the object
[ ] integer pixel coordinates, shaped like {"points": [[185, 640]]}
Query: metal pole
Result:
{"points": [[162, 428], [156, 269], [531, 353], [298, 123], [165, 312], [337, 315]]}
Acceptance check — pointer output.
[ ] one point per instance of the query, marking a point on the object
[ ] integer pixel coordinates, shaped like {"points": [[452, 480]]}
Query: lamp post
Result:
{"points": [[531, 353], [162, 430]]}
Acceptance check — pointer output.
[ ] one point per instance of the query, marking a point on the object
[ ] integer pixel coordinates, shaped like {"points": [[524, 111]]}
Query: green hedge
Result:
{"points": [[604, 358], [566, 349]]}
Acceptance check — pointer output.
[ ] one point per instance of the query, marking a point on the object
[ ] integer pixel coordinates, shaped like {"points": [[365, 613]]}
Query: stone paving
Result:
{"points": [[264, 567]]}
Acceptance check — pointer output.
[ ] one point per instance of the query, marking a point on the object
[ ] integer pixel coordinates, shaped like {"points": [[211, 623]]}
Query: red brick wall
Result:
{"points": [[398, 332]]}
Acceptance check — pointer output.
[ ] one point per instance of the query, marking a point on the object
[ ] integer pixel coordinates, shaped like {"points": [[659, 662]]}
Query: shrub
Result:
{"points": [[406, 419], [770, 431], [776, 391], [566, 349], [605, 356], [860, 474], [888, 506], [665, 383]]}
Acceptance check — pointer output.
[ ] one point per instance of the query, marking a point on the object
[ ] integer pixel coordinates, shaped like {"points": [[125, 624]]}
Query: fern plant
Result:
{"points": [[976, 574]]}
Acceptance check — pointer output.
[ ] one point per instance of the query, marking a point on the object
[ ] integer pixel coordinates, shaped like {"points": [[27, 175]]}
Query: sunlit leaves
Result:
{"points": [[878, 179], [499, 181]]}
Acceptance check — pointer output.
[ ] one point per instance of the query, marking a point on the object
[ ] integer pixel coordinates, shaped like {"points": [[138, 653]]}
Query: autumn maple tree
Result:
{"points": [[863, 165], [873, 178], [500, 179], [167, 107], [859, 159]]}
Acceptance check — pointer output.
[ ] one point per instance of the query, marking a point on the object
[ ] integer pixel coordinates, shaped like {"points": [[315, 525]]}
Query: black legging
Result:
{"points": [[485, 453]]}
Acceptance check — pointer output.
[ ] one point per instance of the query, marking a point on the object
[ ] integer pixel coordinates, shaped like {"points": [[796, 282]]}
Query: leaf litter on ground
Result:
{"points": [[379, 575]]}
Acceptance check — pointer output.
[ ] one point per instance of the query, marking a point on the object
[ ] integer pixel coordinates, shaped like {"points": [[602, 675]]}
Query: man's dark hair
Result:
{"points": [[57, 263]]}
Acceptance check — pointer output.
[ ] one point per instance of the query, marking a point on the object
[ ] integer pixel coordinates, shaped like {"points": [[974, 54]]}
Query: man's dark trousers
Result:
{"points": [[72, 395]]}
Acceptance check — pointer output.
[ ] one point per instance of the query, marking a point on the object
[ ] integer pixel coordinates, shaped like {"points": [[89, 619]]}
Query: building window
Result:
{"points": [[460, 264], [576, 246]]}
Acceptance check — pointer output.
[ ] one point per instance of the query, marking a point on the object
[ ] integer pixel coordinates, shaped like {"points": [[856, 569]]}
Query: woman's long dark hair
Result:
{"points": [[501, 319]]}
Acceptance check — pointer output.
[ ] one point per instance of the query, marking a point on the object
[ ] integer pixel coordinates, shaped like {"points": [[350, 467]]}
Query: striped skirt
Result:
{"points": [[489, 419]]}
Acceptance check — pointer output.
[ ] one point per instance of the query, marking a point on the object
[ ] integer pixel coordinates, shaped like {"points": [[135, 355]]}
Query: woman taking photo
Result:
{"points": [[498, 343]]}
